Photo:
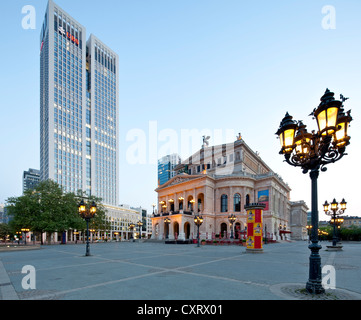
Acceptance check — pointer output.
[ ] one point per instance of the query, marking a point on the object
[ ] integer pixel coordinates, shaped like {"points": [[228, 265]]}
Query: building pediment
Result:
{"points": [[178, 179]]}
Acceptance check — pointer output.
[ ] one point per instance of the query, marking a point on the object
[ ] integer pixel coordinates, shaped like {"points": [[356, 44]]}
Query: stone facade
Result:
{"points": [[219, 181]]}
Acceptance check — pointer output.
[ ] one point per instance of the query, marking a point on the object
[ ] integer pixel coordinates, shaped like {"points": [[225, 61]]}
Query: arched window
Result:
{"points": [[224, 203], [237, 202], [247, 199]]}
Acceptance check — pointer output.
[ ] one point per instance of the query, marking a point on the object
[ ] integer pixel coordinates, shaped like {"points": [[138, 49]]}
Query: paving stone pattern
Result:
{"points": [[158, 271]]}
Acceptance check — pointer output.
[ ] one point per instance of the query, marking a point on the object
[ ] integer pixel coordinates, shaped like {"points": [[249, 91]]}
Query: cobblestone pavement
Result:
{"points": [[157, 271]]}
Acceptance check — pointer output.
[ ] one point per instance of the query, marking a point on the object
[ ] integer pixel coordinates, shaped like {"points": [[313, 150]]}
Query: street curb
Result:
{"points": [[6, 288], [18, 248]]}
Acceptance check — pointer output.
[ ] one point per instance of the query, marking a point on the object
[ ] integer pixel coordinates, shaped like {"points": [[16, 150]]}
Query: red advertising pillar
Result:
{"points": [[254, 227]]}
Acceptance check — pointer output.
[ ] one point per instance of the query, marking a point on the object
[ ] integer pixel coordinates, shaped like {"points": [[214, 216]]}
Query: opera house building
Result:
{"points": [[216, 183]]}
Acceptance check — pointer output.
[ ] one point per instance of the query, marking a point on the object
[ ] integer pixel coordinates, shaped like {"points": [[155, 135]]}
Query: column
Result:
{"points": [[255, 228], [176, 202], [181, 235], [230, 201]]}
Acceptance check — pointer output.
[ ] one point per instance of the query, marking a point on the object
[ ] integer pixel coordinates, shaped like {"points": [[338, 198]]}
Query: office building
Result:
{"points": [[31, 179], [166, 167], [79, 111]]}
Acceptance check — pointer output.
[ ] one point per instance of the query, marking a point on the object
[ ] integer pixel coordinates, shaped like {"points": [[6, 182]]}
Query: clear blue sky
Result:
{"points": [[196, 64]]}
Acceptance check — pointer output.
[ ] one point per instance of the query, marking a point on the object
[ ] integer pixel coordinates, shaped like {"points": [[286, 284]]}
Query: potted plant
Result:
{"points": [[203, 242]]}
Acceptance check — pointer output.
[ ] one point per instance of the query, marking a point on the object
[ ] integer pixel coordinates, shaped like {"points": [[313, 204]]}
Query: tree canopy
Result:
{"points": [[47, 208]]}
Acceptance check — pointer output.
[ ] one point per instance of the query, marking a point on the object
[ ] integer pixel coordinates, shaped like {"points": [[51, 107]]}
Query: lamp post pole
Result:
{"points": [[309, 227], [232, 218], [140, 223], [87, 214], [198, 220], [312, 152], [87, 252], [314, 283]]}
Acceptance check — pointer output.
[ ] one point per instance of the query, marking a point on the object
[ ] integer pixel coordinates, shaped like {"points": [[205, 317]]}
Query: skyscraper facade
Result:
{"points": [[78, 108], [31, 179], [166, 167], [102, 121]]}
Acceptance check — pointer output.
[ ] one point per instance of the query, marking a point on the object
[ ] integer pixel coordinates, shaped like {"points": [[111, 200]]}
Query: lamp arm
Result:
{"points": [[322, 153], [331, 156]]}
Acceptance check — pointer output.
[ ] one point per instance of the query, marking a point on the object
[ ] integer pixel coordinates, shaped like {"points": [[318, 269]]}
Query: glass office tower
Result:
{"points": [[102, 120], [78, 108], [166, 167], [31, 179]]}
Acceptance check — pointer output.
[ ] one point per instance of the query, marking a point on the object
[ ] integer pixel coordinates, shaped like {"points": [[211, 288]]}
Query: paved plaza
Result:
{"points": [[158, 271]]}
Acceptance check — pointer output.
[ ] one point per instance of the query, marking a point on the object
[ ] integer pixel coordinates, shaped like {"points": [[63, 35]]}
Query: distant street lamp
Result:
{"points": [[232, 218], [334, 213], [198, 220], [312, 152], [87, 214], [309, 228], [140, 223]]}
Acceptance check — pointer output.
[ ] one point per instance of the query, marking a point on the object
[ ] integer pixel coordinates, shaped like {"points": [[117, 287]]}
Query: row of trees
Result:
{"points": [[48, 209], [352, 233]]}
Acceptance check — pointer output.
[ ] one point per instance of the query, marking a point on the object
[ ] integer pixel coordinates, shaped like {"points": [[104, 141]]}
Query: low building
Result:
{"points": [[218, 181], [120, 219], [147, 223], [351, 221]]}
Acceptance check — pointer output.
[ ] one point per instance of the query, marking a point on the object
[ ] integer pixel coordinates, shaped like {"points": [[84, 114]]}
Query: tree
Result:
{"points": [[352, 233], [4, 231], [45, 209], [24, 210], [49, 209]]}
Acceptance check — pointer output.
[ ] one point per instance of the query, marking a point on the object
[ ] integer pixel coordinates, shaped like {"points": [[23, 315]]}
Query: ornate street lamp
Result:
{"points": [[232, 218], [140, 223], [312, 152], [167, 223], [198, 220], [87, 214], [309, 228], [334, 213]]}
